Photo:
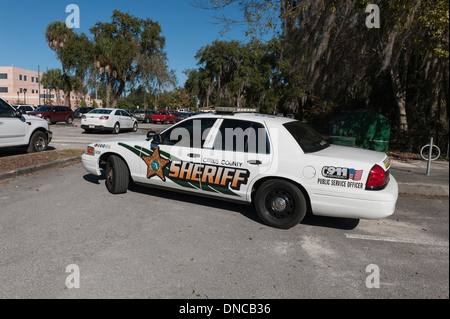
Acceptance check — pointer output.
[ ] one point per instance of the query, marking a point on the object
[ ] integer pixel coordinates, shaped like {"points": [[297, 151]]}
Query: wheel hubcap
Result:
{"points": [[40, 144], [110, 176], [279, 204]]}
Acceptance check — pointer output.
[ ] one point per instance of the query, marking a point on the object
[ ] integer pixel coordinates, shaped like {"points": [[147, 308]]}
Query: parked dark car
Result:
{"points": [[82, 110], [25, 109], [54, 114], [143, 115]]}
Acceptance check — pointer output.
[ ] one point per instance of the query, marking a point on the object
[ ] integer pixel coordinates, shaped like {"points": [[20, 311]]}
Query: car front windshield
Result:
{"points": [[43, 109], [309, 140]]}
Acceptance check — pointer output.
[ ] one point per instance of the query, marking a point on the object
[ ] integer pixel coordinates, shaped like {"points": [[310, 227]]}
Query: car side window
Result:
{"points": [[5, 110], [118, 113], [191, 133], [242, 136]]}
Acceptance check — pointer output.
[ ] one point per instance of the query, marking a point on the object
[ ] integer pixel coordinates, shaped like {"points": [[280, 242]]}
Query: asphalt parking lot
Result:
{"points": [[72, 136], [157, 244]]}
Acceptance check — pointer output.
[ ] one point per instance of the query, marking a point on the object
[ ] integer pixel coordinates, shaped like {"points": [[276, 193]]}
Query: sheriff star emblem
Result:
{"points": [[156, 165]]}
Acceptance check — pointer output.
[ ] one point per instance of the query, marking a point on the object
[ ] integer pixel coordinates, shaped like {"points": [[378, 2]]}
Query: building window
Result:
{"points": [[32, 91], [32, 79], [21, 90], [3, 90], [20, 77], [3, 76], [24, 77]]}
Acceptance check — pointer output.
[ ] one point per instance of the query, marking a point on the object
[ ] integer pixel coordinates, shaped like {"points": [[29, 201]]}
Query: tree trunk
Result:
{"points": [[400, 99], [67, 99], [108, 92]]}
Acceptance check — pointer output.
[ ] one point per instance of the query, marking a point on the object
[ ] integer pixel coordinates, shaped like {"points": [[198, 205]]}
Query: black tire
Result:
{"points": [[117, 175], [69, 120], [280, 204], [135, 127], [38, 143], [116, 128], [48, 119]]}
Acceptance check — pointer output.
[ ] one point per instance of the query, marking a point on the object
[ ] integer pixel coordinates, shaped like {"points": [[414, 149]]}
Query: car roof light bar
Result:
{"points": [[234, 110]]}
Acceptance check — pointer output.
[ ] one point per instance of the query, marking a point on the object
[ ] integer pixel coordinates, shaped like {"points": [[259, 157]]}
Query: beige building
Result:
{"points": [[21, 86]]}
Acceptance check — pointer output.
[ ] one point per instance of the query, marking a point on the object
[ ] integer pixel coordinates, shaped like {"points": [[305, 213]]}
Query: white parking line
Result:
{"points": [[398, 240]]}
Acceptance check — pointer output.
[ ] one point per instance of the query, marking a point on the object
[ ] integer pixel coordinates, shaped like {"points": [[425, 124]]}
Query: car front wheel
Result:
{"points": [[117, 175], [38, 143], [280, 204]]}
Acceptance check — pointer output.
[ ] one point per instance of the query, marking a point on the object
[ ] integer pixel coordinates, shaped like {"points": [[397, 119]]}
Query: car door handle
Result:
{"points": [[254, 162], [191, 155]]}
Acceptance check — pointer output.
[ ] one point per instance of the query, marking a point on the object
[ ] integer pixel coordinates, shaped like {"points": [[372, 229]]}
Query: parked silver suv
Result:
{"points": [[21, 130]]}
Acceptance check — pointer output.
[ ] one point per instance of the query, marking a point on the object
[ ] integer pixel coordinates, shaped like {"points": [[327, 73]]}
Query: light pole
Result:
{"points": [[24, 96], [18, 98]]}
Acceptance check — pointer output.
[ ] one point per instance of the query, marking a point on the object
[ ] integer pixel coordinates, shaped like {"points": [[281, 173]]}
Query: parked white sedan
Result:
{"points": [[114, 120], [280, 165]]}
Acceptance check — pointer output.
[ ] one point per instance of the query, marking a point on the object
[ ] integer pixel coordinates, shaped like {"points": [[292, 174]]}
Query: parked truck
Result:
{"points": [[165, 116]]}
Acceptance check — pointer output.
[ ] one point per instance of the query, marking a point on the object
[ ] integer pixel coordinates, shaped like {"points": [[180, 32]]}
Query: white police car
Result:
{"points": [[280, 165]]}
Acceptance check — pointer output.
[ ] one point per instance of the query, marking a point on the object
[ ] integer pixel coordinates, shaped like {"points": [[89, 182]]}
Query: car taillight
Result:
{"points": [[104, 117], [377, 179]]}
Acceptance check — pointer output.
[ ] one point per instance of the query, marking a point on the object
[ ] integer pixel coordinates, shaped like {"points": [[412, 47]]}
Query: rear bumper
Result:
{"points": [[368, 205], [96, 127]]}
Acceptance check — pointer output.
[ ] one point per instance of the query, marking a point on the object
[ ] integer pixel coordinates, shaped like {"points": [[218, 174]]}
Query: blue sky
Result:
{"points": [[185, 27]]}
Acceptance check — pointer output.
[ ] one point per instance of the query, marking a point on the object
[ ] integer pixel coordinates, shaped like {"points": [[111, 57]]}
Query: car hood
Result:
{"points": [[31, 117], [137, 139]]}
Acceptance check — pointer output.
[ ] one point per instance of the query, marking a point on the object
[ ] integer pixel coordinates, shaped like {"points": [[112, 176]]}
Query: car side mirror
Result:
{"points": [[151, 134], [156, 139], [18, 114]]}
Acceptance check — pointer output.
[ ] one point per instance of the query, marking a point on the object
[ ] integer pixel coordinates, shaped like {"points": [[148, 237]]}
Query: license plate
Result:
{"points": [[91, 126]]}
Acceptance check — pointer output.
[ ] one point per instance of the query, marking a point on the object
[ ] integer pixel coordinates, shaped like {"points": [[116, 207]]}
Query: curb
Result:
{"points": [[33, 169], [423, 189]]}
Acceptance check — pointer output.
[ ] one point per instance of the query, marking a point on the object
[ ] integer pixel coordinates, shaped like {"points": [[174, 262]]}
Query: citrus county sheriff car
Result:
{"points": [[280, 165]]}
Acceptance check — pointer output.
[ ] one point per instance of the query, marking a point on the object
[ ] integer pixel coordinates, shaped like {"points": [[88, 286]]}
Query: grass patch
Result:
{"points": [[11, 163]]}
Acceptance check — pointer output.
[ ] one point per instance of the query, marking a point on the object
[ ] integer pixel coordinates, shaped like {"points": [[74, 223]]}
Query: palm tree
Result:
{"points": [[57, 36], [53, 80]]}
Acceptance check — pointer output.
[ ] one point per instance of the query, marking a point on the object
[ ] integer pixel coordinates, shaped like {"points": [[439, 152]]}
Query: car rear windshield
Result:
{"points": [[43, 108], [100, 111], [309, 140]]}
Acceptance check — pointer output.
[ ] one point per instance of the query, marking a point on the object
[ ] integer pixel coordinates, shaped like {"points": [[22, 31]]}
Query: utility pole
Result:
{"points": [[39, 84]]}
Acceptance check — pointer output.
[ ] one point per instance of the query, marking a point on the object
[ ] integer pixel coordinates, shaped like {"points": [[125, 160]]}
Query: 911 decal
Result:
{"points": [[341, 176], [342, 173]]}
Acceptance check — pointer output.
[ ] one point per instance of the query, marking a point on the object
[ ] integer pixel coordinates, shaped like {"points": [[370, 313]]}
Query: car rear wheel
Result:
{"points": [[135, 127], [116, 128], [69, 120], [280, 204], [117, 175], [38, 143]]}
